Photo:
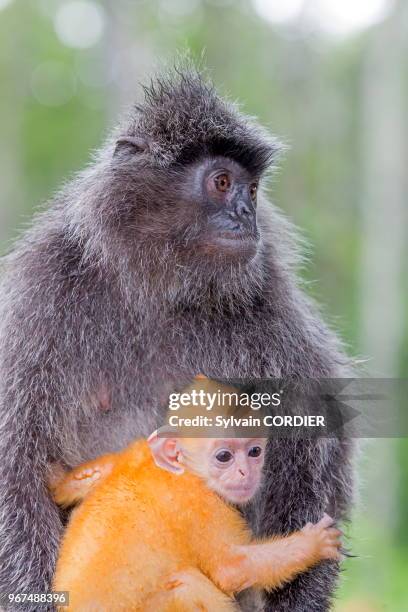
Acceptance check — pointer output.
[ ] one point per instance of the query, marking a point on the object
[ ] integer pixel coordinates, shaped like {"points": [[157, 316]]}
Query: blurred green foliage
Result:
{"points": [[58, 101]]}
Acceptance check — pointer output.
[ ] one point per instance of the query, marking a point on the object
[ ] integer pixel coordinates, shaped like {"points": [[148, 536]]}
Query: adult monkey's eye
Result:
{"points": [[222, 181], [223, 456], [255, 451], [253, 189]]}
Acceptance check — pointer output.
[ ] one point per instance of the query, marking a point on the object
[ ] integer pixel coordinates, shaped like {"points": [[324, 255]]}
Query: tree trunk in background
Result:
{"points": [[11, 191], [384, 162], [128, 48], [384, 156]]}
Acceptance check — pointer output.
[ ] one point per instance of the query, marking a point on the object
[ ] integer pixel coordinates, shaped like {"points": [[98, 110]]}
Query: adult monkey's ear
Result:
{"points": [[131, 145]]}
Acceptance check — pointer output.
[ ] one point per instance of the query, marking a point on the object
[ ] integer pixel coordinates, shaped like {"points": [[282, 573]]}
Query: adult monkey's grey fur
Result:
{"points": [[106, 308]]}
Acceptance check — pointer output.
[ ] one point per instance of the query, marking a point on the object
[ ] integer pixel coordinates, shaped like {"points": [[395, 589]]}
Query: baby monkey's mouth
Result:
{"points": [[240, 493]]}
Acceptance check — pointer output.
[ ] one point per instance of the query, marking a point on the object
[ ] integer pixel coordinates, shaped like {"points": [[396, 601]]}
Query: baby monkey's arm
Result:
{"points": [[271, 563]]}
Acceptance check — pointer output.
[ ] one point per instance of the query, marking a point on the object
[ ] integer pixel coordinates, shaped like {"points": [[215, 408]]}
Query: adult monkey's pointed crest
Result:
{"points": [[183, 117]]}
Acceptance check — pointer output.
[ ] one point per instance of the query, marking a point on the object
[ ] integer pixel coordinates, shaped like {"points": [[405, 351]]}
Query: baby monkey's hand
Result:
{"points": [[324, 539], [271, 563]]}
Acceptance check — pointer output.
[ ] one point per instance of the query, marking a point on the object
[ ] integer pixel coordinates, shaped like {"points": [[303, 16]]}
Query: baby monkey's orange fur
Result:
{"points": [[145, 539]]}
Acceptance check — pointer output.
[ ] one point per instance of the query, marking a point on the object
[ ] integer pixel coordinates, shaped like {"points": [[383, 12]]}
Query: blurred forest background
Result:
{"points": [[327, 76]]}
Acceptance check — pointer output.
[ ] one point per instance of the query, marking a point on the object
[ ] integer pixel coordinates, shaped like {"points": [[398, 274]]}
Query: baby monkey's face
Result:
{"points": [[234, 467]]}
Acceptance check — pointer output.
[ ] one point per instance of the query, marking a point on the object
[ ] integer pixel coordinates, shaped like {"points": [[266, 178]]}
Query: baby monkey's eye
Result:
{"points": [[255, 451], [223, 456], [253, 188], [222, 181]]}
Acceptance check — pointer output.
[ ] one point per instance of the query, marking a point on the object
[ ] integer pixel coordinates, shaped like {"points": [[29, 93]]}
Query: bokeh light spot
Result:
{"points": [[347, 16], [80, 23], [4, 3], [336, 17], [278, 11], [53, 83]]}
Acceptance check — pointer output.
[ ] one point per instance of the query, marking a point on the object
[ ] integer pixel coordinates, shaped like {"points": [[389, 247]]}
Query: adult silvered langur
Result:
{"points": [[161, 260]]}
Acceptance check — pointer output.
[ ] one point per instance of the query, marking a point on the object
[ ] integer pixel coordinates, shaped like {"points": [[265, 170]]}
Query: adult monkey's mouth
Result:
{"points": [[238, 243], [238, 235]]}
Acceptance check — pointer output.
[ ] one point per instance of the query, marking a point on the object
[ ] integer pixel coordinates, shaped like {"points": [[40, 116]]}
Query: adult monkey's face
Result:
{"points": [[219, 196], [185, 173]]}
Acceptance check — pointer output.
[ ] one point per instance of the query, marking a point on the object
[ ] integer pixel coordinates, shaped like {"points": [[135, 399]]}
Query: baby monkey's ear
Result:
{"points": [[165, 452], [129, 145]]}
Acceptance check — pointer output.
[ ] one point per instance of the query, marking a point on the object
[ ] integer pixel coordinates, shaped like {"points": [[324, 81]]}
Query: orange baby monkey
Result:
{"points": [[153, 539]]}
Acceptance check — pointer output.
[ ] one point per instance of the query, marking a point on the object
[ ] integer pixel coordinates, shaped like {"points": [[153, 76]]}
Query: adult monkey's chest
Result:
{"points": [[217, 346], [162, 359], [176, 350]]}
